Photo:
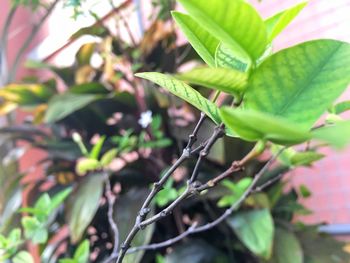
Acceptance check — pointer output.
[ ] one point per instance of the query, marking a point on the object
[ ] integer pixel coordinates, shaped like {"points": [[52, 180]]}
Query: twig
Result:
{"points": [[113, 225], [145, 209], [194, 229]]}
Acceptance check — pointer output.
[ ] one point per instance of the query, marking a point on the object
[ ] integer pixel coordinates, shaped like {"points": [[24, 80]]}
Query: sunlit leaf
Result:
{"points": [[277, 23], [254, 126], [202, 41], [226, 80], [336, 135], [234, 23], [227, 58], [300, 83], [184, 92]]}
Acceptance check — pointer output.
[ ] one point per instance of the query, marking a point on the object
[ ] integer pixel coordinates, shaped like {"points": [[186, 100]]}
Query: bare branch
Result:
{"points": [[113, 225], [197, 229]]}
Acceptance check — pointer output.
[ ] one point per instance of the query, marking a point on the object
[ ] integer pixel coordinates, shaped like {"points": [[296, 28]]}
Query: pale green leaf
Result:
{"points": [[183, 91], [301, 82], [108, 157], [223, 79], [277, 23], [60, 106], [255, 229], [81, 255], [95, 152], [203, 42], [287, 248], [305, 158], [227, 58], [87, 165], [234, 23], [337, 135], [23, 257], [255, 126], [83, 204], [58, 198]]}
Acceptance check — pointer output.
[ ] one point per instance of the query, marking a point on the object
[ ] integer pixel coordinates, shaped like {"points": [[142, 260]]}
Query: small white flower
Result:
{"points": [[145, 119]]}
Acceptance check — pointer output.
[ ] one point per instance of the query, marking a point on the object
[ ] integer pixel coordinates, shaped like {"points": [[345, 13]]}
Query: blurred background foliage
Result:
{"points": [[97, 125]]}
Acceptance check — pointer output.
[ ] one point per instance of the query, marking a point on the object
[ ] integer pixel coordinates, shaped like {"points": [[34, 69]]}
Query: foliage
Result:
{"points": [[110, 134]]}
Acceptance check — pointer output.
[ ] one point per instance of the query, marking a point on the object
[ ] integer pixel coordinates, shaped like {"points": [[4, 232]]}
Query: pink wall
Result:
{"points": [[329, 180]]}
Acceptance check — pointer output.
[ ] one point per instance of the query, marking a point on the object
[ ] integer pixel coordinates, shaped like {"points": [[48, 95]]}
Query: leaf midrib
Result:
{"points": [[309, 81]]}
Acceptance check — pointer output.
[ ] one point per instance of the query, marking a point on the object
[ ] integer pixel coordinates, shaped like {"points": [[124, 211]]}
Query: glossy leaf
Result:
{"points": [[277, 23], [183, 91], [83, 204], [226, 80], [255, 126], [255, 229], [336, 135], [202, 41], [60, 106], [96, 149], [234, 23], [301, 82], [287, 248], [227, 58]]}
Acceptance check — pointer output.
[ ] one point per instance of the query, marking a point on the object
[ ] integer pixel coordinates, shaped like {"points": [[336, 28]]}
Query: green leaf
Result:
{"points": [[58, 199], [337, 135], [81, 255], [287, 248], [305, 158], [83, 204], [237, 190], [304, 191], [96, 150], [43, 206], [301, 82], [34, 230], [227, 58], [255, 126], [223, 79], [203, 42], [60, 106], [108, 157], [277, 23], [23, 257], [255, 229], [234, 23], [87, 165], [184, 92], [342, 107]]}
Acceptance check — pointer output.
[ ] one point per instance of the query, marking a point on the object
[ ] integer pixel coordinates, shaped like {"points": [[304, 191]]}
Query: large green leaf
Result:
{"points": [[223, 79], [60, 106], [254, 126], [256, 230], [277, 23], [183, 91], [234, 22], [125, 212], [286, 248], [203, 42], [336, 135], [301, 82], [83, 204]]}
